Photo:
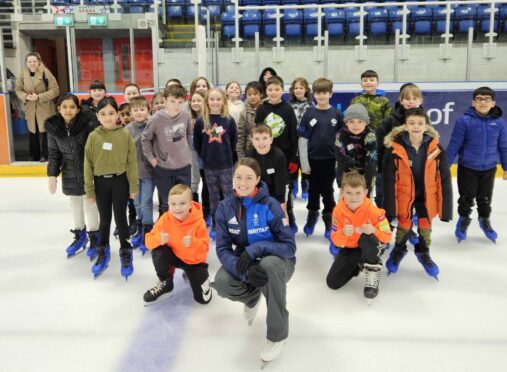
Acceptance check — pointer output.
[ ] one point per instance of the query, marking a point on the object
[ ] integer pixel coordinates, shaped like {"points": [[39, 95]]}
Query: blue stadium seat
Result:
{"points": [[136, 6], [190, 10], [503, 17], [335, 21], [269, 23], [214, 7], [174, 8], [378, 17], [311, 19], [484, 16], [228, 25], [439, 18], [288, 2], [352, 21], [251, 23], [292, 19], [465, 17], [396, 20], [251, 2], [229, 8], [269, 2], [422, 17]]}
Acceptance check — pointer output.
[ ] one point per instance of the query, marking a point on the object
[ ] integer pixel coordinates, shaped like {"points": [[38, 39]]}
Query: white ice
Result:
{"points": [[55, 317]]}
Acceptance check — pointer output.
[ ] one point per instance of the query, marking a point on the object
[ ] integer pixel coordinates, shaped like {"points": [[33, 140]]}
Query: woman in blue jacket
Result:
{"points": [[256, 248]]}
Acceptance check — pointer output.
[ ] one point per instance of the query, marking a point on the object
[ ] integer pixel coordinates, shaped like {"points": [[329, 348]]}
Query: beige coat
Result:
{"points": [[44, 107]]}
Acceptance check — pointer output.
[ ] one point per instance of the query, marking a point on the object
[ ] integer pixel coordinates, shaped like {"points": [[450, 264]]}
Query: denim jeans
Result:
{"points": [[144, 201]]}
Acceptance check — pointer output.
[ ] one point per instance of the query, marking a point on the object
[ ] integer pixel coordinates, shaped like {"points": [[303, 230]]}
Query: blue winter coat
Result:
{"points": [[480, 141], [257, 224]]}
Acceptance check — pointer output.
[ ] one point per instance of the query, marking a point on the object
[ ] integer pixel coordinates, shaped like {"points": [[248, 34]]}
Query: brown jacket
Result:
{"points": [[40, 110]]}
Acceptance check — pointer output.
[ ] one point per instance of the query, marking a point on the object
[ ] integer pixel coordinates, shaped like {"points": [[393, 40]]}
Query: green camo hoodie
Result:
{"points": [[110, 152], [378, 107]]}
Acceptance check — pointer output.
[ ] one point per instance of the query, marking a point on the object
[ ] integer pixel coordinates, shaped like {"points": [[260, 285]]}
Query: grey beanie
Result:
{"points": [[357, 111]]}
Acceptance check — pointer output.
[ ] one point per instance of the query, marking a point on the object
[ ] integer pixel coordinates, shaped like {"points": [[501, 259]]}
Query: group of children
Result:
{"points": [[247, 156]]}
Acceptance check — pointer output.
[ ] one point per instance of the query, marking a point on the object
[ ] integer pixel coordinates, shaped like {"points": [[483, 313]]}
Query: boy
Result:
{"points": [[124, 113], [479, 138], [317, 153], [416, 176], [360, 230], [279, 116], [272, 161], [140, 110], [179, 238], [167, 143], [356, 146]]}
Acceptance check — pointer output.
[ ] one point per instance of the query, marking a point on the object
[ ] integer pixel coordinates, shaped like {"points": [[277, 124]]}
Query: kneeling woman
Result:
{"points": [[256, 248]]}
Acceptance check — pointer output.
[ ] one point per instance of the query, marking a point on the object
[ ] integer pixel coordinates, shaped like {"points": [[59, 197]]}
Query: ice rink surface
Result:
{"points": [[55, 317]]}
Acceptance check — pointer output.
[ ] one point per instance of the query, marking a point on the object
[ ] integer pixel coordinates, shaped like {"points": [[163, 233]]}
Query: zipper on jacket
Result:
{"points": [[78, 182], [484, 144]]}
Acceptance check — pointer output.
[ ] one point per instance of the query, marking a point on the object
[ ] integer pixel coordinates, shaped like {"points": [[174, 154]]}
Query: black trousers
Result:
{"points": [[475, 185], [204, 195], [346, 264], [165, 179], [163, 258], [34, 142], [112, 193], [321, 180]]}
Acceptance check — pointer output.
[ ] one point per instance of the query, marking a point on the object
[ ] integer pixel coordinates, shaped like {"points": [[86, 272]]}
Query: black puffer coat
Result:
{"points": [[66, 150]]}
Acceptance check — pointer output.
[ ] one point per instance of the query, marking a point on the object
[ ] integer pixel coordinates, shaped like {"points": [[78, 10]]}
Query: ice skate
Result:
{"points": [[142, 247], [295, 189], [461, 228], [413, 238], [162, 291], [79, 244], [304, 189], [249, 313], [334, 250], [270, 352], [393, 262], [485, 225], [137, 238], [311, 221], [372, 274], [327, 218], [93, 237], [430, 267], [127, 267], [103, 258], [292, 222]]}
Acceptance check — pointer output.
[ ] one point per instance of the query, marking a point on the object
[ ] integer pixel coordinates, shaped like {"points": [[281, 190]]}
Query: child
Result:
{"points": [[234, 104], [215, 138], [157, 102], [479, 138], [416, 176], [246, 121], [360, 231], [300, 98], [124, 114], [373, 99], [130, 91], [265, 75], [317, 153], [199, 84], [166, 143], [179, 238], [173, 82], [67, 134], [257, 251], [97, 92], [144, 200], [280, 117], [110, 175], [356, 146], [272, 162]]}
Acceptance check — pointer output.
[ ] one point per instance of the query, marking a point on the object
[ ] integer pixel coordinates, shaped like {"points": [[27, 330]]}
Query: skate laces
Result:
{"points": [[126, 257], [426, 259], [398, 255], [486, 225], [372, 275], [158, 288], [77, 235]]}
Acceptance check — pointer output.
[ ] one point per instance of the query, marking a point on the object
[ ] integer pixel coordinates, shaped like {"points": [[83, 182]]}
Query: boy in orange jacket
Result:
{"points": [[180, 238], [360, 232]]}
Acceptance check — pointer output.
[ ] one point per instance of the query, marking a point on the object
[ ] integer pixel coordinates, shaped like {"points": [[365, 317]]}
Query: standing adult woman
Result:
{"points": [[36, 88]]}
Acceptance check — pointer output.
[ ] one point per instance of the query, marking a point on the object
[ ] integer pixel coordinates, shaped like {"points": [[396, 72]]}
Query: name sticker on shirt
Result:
{"points": [[219, 129], [107, 146], [270, 171], [313, 122], [350, 146]]}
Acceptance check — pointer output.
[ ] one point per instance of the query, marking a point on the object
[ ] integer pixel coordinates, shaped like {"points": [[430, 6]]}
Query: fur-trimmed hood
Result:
{"points": [[55, 125], [432, 132]]}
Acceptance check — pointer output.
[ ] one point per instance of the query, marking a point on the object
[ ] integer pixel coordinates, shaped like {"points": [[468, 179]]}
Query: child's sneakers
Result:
{"points": [[163, 290], [249, 313]]}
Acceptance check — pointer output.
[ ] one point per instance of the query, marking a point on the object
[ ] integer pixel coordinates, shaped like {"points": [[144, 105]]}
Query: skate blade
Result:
{"points": [[160, 299], [77, 253]]}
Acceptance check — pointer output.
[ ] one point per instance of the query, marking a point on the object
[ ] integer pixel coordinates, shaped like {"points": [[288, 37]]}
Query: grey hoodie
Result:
{"points": [[143, 165]]}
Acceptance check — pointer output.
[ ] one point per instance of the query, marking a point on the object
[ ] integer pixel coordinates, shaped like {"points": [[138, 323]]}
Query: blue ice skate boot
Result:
{"points": [[93, 238], [103, 258], [397, 254], [461, 228], [79, 243], [208, 220], [212, 234], [142, 246], [137, 238], [430, 267], [304, 189], [127, 268], [485, 225], [327, 218], [295, 189], [292, 222], [311, 221], [334, 250], [412, 235]]}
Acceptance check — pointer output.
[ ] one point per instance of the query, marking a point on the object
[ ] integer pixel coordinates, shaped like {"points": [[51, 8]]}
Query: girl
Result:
{"points": [[258, 259], [300, 98], [131, 90], [67, 134], [235, 105], [246, 120], [215, 138], [264, 77], [157, 102], [110, 170], [97, 92], [201, 84]]}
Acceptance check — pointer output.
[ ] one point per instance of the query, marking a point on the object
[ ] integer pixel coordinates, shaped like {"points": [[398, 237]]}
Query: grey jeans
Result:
{"points": [[279, 272]]}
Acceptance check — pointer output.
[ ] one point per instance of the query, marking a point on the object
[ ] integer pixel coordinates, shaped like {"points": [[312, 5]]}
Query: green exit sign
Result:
{"points": [[63, 20], [97, 20]]}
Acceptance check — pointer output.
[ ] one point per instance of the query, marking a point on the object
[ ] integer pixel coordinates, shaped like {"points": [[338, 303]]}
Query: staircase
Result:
{"points": [[6, 10]]}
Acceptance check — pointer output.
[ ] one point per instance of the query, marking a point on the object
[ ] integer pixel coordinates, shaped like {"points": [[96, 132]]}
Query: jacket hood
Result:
{"points": [[494, 113], [195, 214], [396, 134], [55, 125], [349, 214]]}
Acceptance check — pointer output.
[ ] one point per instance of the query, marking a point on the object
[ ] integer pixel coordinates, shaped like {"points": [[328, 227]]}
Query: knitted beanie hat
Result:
{"points": [[357, 111]]}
